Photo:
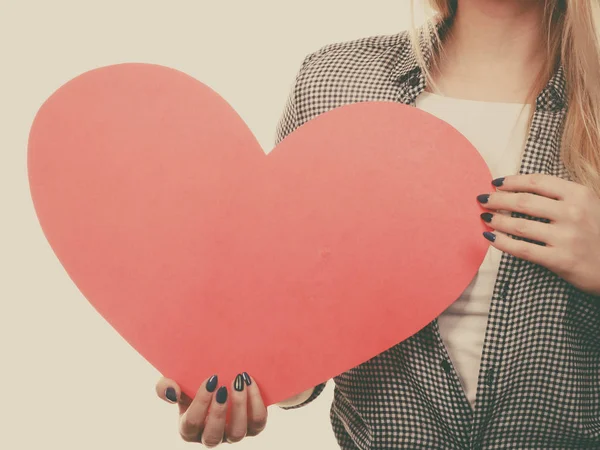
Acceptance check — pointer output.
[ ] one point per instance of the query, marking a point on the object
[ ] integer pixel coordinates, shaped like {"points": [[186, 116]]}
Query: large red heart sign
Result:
{"points": [[210, 257]]}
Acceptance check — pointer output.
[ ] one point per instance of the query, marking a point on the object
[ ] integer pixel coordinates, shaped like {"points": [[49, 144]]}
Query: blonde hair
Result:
{"points": [[572, 28]]}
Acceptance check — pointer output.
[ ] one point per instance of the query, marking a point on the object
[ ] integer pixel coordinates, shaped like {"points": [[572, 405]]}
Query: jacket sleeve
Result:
{"points": [[289, 119]]}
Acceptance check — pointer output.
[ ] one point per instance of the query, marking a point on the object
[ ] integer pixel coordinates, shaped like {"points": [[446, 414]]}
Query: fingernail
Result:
{"points": [[222, 395], [487, 217], [498, 182], [483, 198], [171, 395], [489, 236], [247, 378], [211, 384], [238, 384]]}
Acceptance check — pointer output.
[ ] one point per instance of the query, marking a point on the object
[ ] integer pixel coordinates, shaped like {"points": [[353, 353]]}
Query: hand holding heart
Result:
{"points": [[204, 418], [571, 234]]}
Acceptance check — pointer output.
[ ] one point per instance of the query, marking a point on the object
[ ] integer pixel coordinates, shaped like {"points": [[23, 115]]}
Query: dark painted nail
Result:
{"points": [[498, 182], [211, 384], [222, 395], [171, 394], [238, 384], [483, 198], [487, 217], [247, 378], [489, 236]]}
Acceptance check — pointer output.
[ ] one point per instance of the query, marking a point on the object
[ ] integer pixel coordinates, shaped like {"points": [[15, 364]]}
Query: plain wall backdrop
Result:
{"points": [[68, 380]]}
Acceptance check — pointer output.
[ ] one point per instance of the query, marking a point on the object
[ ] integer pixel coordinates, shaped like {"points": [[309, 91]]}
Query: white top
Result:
{"points": [[499, 132]]}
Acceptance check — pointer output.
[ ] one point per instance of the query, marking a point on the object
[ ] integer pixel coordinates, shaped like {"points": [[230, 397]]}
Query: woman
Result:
{"points": [[514, 363]]}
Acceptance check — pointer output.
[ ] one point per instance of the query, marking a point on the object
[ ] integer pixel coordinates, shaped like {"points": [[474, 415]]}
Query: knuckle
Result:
{"points": [[571, 238], [211, 440], [260, 419], [535, 180], [236, 436], [576, 213], [521, 227], [190, 423], [218, 413], [255, 431], [258, 423], [186, 437], [522, 201]]}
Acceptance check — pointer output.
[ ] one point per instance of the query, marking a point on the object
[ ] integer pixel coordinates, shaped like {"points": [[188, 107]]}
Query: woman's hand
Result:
{"points": [[203, 419], [572, 238]]}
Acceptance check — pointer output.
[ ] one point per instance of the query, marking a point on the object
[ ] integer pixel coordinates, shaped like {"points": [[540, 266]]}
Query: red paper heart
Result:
{"points": [[209, 257]]}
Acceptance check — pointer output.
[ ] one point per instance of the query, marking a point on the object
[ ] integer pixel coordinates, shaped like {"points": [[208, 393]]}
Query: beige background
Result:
{"points": [[68, 380]]}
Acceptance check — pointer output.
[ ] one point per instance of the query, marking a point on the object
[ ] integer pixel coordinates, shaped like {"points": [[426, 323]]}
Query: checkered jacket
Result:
{"points": [[539, 380]]}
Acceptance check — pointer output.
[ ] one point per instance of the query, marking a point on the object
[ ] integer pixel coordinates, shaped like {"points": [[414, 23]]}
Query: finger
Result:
{"points": [[534, 253], [525, 203], [215, 422], [237, 427], [191, 424], [530, 229], [168, 390], [184, 402], [257, 411], [538, 183]]}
